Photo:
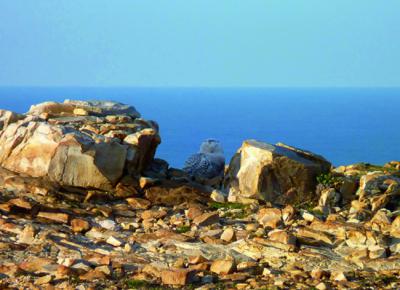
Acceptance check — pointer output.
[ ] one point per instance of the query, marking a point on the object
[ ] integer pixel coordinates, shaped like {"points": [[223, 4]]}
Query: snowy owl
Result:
{"points": [[208, 163]]}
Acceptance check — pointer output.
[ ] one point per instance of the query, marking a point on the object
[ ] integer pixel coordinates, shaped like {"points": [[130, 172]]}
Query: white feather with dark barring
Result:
{"points": [[208, 163]]}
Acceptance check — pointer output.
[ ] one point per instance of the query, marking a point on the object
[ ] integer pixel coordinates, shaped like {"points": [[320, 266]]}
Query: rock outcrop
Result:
{"points": [[276, 173], [78, 143], [83, 205]]}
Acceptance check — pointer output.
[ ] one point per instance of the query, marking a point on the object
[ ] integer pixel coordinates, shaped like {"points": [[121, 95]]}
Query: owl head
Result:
{"points": [[211, 146]]}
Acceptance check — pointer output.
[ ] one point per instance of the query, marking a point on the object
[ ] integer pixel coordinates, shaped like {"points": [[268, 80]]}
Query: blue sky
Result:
{"points": [[199, 43]]}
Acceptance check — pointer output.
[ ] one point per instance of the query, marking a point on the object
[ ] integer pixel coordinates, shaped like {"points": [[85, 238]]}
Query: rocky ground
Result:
{"points": [[162, 230]]}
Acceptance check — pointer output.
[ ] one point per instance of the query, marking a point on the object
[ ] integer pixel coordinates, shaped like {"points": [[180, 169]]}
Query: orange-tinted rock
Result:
{"points": [[222, 267], [79, 225], [138, 203], [270, 217], [176, 276], [56, 217]]}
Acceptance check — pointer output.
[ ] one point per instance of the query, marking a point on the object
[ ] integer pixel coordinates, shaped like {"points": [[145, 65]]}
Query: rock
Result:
{"points": [[43, 280], [376, 252], [107, 224], [206, 219], [222, 267], [228, 235], [138, 203], [153, 214], [79, 225], [73, 144], [114, 241], [338, 276], [321, 286], [99, 108], [393, 165], [377, 189], [177, 277], [175, 194], [287, 214], [275, 173], [27, 236], [56, 217], [348, 188], [197, 260], [313, 237], [270, 217], [318, 274], [8, 117], [217, 196], [395, 227], [282, 236], [309, 217], [22, 203], [194, 211], [329, 198]]}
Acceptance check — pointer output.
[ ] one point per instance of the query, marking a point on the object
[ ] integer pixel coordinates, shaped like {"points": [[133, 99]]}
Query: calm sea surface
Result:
{"points": [[344, 125]]}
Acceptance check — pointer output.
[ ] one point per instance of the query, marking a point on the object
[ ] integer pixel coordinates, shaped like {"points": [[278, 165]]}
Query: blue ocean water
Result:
{"points": [[346, 125]]}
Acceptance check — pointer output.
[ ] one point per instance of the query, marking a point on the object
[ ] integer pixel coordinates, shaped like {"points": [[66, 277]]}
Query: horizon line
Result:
{"points": [[189, 87]]}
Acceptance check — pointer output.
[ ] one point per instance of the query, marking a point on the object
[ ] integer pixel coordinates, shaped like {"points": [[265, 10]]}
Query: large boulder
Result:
{"points": [[276, 173], [78, 143]]}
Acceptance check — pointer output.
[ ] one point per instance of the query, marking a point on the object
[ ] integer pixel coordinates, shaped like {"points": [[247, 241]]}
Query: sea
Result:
{"points": [[345, 125]]}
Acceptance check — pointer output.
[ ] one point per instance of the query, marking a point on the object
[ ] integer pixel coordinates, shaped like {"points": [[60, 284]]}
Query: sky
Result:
{"points": [[208, 43]]}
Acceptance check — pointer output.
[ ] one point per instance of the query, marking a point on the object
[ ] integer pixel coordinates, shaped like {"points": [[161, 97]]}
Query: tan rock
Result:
{"points": [[329, 198], [57, 217], [270, 217], [194, 211], [321, 286], [197, 259], [93, 275], [318, 274], [228, 235], [153, 214], [309, 236], [78, 147], [395, 227], [20, 202], [288, 213], [8, 117], [377, 252], [114, 241], [338, 276], [217, 196], [176, 277], [307, 216], [27, 236], [207, 219], [138, 203], [276, 173], [282, 236], [356, 238], [222, 267], [43, 280]]}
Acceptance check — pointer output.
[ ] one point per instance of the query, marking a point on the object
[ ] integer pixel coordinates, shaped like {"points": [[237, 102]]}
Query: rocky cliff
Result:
{"points": [[85, 205]]}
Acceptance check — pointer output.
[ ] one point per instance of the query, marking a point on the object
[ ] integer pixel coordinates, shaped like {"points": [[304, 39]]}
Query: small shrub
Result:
{"points": [[327, 179], [182, 229]]}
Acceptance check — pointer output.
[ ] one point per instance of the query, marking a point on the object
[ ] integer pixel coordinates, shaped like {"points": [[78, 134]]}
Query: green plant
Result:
{"points": [[327, 179], [227, 205], [182, 229]]}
